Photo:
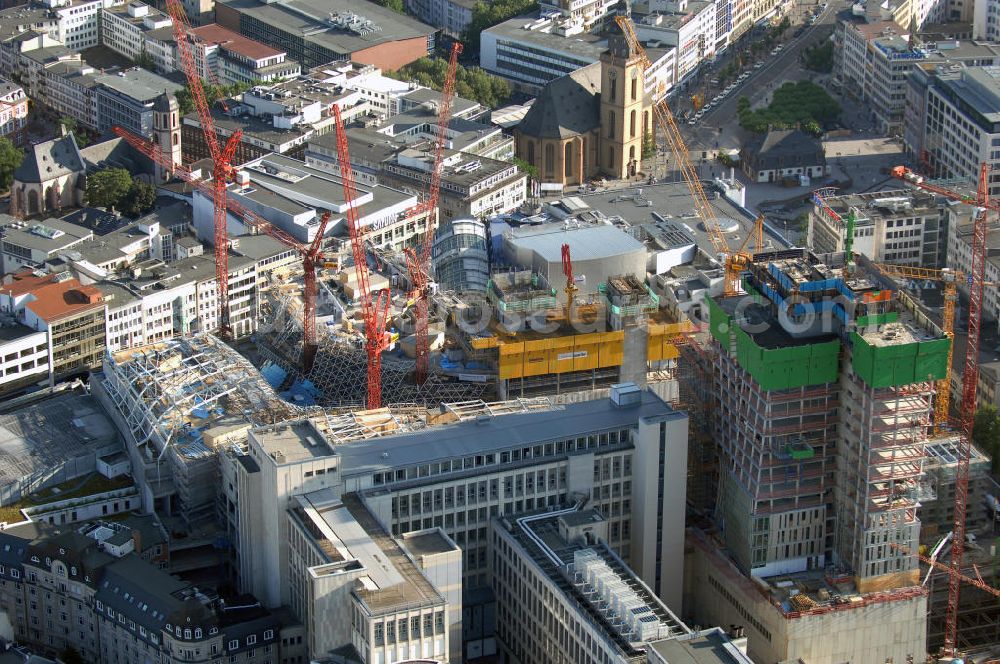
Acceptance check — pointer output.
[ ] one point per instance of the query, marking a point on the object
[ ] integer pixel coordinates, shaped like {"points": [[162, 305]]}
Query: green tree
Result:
{"points": [[108, 188], [792, 105], [487, 14], [819, 58], [394, 5], [72, 127], [71, 656], [140, 199], [470, 83], [525, 167], [145, 60], [986, 433], [10, 159], [648, 145]]}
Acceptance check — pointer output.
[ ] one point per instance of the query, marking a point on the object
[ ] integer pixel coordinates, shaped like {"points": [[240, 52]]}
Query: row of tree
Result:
{"points": [[470, 82], [114, 188], [213, 93], [803, 105], [487, 14]]}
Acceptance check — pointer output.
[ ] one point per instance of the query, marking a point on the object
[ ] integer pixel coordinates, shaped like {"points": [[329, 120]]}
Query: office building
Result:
{"points": [[960, 128], [125, 99], [905, 227], [315, 33], [454, 16], [228, 57], [288, 193], [877, 58], [563, 596], [532, 52], [124, 28], [69, 314], [528, 455]]}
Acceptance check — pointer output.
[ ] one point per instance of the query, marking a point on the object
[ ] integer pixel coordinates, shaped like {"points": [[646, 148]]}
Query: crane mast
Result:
{"points": [[222, 157], [375, 307], [418, 261], [311, 255], [967, 411]]}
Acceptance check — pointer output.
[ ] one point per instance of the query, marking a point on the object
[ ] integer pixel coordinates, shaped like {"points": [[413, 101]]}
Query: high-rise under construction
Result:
{"points": [[824, 378]]}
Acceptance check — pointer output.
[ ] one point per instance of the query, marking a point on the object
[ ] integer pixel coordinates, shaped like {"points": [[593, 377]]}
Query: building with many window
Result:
{"points": [[125, 99], [960, 127], [124, 28], [904, 227], [13, 112], [876, 59], [228, 57], [626, 456], [63, 589], [454, 16]]}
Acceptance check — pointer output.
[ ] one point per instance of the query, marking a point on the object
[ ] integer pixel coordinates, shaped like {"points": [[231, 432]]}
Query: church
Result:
{"points": [[590, 122], [53, 174]]}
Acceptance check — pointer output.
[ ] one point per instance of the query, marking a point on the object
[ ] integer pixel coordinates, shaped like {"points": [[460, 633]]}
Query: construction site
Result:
{"points": [[819, 395]]}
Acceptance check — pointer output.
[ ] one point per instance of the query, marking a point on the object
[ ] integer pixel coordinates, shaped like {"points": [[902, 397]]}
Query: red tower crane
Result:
{"points": [[418, 264], [375, 308], [222, 156], [312, 255], [967, 413]]}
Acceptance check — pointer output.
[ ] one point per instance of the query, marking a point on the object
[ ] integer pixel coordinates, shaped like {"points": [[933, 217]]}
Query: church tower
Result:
{"points": [[624, 115], [167, 133]]}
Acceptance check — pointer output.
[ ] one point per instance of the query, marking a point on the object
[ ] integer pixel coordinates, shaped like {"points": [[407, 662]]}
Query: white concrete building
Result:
{"points": [[904, 227], [609, 450], [876, 59], [124, 27], [690, 27], [986, 20], [79, 21]]}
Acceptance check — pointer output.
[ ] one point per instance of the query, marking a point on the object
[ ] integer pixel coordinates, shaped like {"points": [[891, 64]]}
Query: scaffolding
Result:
{"points": [[180, 400], [340, 370]]}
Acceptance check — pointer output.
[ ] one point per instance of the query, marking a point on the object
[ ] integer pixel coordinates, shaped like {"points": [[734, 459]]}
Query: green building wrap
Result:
{"points": [[899, 364], [777, 368]]}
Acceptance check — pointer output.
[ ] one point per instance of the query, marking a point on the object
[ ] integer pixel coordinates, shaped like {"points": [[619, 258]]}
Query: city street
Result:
{"points": [[719, 127]]}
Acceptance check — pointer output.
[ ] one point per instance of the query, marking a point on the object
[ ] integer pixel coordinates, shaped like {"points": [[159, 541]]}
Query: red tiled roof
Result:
{"points": [[54, 300], [214, 33]]}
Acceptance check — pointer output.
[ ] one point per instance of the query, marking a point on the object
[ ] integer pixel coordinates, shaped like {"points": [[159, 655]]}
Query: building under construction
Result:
{"points": [[824, 379]]}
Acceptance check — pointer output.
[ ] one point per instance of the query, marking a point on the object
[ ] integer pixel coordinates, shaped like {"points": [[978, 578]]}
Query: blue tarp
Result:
{"points": [[274, 375]]}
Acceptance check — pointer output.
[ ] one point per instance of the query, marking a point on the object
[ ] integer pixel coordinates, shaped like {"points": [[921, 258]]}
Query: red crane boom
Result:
{"points": [[312, 254], [970, 377], [222, 156], [375, 308], [419, 264]]}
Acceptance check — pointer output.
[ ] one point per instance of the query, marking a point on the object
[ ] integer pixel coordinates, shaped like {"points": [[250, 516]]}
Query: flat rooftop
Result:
{"points": [[495, 433], [391, 580], [139, 84], [671, 200], [310, 20], [583, 571], [589, 242], [979, 87], [428, 543], [292, 442], [585, 48], [705, 647], [51, 431]]}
